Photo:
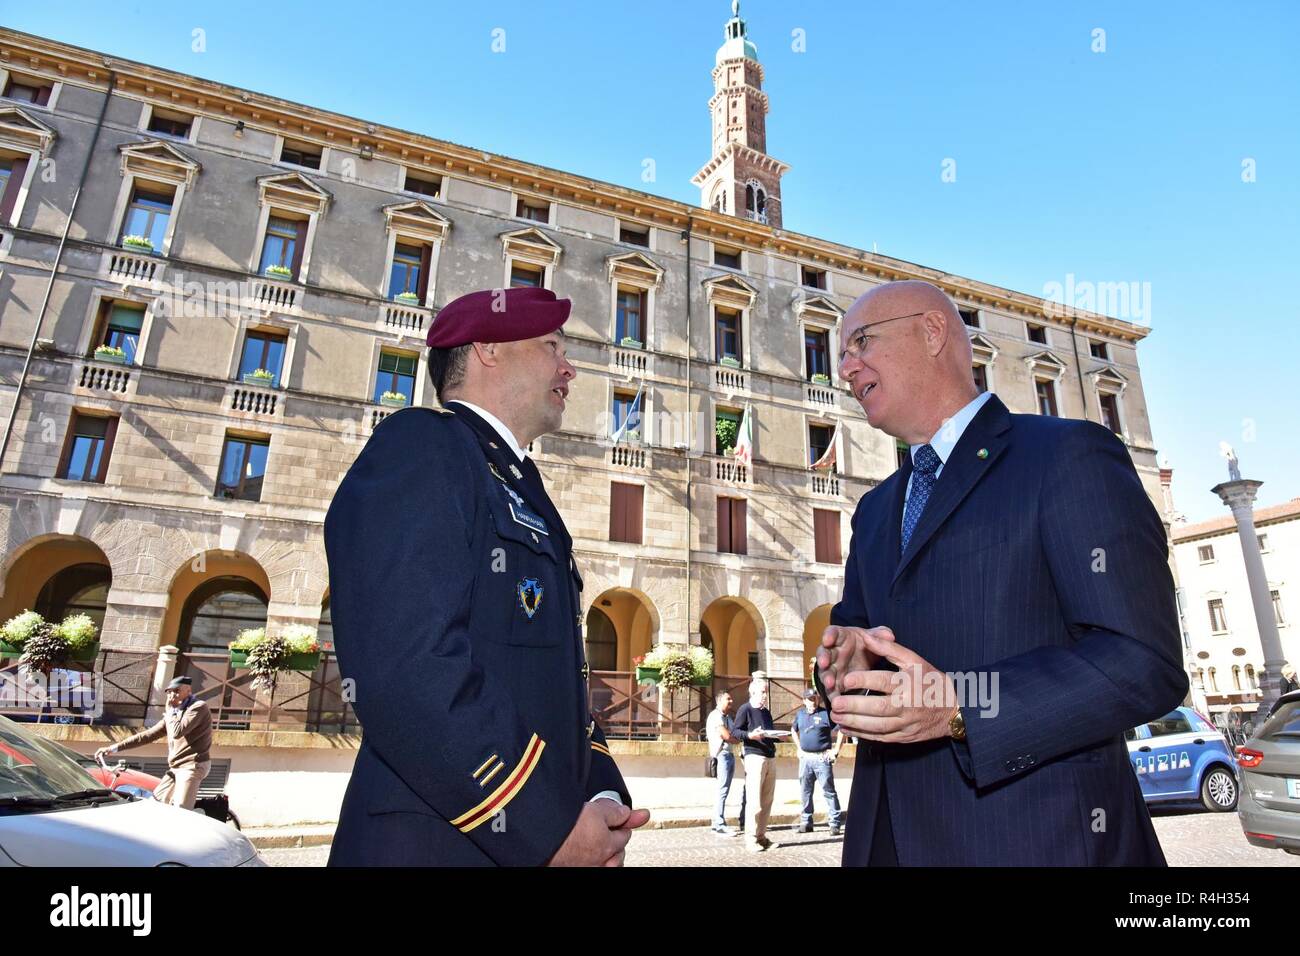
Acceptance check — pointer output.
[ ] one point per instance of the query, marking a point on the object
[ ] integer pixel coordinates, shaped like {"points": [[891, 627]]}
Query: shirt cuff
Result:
{"points": [[608, 795]]}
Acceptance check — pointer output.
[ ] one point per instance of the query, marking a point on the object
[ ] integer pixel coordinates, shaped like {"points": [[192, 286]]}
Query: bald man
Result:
{"points": [[1008, 613]]}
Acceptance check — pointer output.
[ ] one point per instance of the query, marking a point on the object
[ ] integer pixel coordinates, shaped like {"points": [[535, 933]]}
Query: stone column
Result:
{"points": [[164, 671], [1239, 496]]}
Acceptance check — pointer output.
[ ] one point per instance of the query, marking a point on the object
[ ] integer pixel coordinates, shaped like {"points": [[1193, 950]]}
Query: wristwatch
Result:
{"points": [[957, 725]]}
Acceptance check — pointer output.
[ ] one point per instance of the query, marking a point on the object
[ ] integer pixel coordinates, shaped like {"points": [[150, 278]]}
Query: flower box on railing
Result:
{"points": [[628, 342], [650, 675], [307, 661], [138, 243], [820, 378], [407, 298], [84, 655], [265, 381], [393, 400], [110, 354], [278, 272], [10, 650], [728, 361]]}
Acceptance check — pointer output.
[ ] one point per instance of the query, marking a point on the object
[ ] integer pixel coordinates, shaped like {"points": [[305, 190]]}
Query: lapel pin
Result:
{"points": [[492, 445], [519, 475], [982, 453]]}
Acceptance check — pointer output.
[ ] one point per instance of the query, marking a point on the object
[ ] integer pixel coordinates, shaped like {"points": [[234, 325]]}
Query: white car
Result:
{"points": [[53, 813]]}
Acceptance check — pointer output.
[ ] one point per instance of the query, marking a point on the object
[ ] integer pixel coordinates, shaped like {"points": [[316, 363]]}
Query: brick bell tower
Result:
{"points": [[740, 179]]}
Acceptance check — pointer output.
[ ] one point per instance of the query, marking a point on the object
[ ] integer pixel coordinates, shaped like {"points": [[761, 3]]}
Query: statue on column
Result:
{"points": [[1234, 469]]}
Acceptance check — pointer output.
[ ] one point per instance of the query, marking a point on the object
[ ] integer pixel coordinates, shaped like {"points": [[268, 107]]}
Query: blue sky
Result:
{"points": [[1117, 166]]}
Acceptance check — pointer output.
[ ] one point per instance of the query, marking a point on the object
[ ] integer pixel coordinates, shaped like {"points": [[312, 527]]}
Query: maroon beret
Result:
{"points": [[498, 315]]}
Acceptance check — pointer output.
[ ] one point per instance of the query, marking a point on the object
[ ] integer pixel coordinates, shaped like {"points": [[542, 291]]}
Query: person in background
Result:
{"points": [[753, 721], [812, 730], [187, 723], [722, 748]]}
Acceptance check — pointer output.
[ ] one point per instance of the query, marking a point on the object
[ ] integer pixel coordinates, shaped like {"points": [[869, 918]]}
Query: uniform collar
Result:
{"points": [[949, 433], [498, 426]]}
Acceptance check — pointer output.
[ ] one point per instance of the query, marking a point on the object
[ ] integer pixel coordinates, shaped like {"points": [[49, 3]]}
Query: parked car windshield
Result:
{"points": [[1284, 724], [31, 767]]}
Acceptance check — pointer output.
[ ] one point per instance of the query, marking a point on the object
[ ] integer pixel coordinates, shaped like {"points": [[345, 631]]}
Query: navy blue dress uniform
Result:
{"points": [[456, 610]]}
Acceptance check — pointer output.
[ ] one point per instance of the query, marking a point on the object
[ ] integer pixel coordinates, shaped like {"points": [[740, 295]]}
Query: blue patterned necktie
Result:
{"points": [[924, 465]]}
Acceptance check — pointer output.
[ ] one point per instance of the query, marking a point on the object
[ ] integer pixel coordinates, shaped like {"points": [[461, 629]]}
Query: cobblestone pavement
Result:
{"points": [[1189, 839]]}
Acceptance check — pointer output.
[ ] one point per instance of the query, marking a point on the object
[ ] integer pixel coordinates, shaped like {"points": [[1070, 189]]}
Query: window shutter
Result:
{"points": [[739, 532], [724, 525], [634, 496], [16, 172], [299, 245], [426, 263], [617, 512], [826, 535], [43, 95], [110, 432]]}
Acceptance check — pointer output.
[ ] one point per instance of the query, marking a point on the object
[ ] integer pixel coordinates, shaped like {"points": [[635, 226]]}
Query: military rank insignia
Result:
{"points": [[529, 591]]}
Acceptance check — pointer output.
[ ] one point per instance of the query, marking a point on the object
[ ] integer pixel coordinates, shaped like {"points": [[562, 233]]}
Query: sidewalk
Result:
{"points": [[673, 802]]}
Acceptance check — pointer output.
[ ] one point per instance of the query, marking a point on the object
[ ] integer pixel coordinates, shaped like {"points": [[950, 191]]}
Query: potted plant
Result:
{"points": [[821, 378], [278, 272], [675, 665], [110, 353], [393, 399], [16, 631], [725, 430], [42, 646], [261, 376], [138, 243], [295, 648], [729, 361], [645, 674], [410, 298], [628, 342]]}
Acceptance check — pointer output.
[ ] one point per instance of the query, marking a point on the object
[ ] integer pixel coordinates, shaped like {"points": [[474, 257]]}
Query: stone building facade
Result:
{"points": [[174, 492]]}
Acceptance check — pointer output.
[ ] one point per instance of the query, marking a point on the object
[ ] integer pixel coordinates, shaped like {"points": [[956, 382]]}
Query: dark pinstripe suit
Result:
{"points": [[1004, 574]]}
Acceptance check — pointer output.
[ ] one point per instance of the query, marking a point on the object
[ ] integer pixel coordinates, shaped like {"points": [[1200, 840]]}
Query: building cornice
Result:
{"points": [[64, 62]]}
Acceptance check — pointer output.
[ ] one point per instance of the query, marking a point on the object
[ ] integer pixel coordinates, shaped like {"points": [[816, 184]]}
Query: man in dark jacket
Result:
{"points": [[456, 611]]}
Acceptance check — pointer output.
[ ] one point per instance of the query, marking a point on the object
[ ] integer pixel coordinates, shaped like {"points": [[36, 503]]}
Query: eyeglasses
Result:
{"points": [[860, 341]]}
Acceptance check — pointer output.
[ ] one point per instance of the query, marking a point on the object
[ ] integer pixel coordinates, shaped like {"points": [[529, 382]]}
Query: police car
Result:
{"points": [[1181, 758]]}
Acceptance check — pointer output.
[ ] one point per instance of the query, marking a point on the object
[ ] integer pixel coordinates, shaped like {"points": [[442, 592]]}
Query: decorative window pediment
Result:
{"points": [[418, 220], [530, 245], [982, 349], [634, 269], [1045, 364], [22, 131], [730, 292], [1107, 379], [292, 191], [158, 161], [817, 308]]}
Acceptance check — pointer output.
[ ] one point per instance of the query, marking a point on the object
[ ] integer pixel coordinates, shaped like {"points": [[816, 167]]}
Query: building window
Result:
{"points": [[1263, 542], [1099, 350], [819, 441], [1236, 678], [1218, 620], [970, 316], [1036, 333], [1205, 553], [732, 534], [122, 324], [170, 124], [263, 350], [431, 187], [1110, 412], [1214, 680], [148, 214], [826, 536], [629, 316], [11, 180], [243, 466], [89, 445], [523, 274], [726, 334], [1278, 617], [816, 353], [726, 428], [410, 272], [283, 244], [28, 90], [902, 453], [622, 412], [981, 373], [625, 509], [634, 235], [1251, 683], [1046, 391], [396, 373], [755, 202], [728, 258], [813, 278], [532, 209], [300, 154]]}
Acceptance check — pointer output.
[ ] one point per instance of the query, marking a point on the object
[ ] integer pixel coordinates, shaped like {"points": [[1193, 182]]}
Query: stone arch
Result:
{"points": [[630, 617], [39, 562], [736, 629], [195, 580], [814, 625]]}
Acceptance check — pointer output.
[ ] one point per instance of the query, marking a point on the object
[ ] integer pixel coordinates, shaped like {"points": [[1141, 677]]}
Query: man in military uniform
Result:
{"points": [[456, 611]]}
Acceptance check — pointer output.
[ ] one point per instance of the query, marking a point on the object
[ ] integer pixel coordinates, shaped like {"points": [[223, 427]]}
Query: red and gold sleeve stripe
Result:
{"points": [[601, 749], [507, 791]]}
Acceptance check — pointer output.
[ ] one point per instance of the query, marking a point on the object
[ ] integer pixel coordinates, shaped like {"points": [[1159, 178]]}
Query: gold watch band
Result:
{"points": [[957, 725]]}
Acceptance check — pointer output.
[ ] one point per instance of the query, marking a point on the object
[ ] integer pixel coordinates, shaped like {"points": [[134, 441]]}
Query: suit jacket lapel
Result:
{"points": [[963, 469]]}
